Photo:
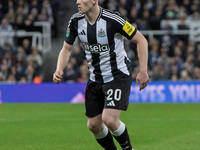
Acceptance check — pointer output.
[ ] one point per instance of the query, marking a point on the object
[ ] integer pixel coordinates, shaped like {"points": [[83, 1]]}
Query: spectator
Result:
{"points": [[4, 72], [36, 57], [46, 4], [194, 17], [174, 71], [20, 70], [26, 45], [10, 6], [186, 4], [197, 60], [22, 80], [133, 15], [34, 5], [143, 22], [30, 73], [24, 4], [6, 29], [43, 16], [196, 75], [70, 73], [13, 71], [153, 55], [174, 78], [164, 59], [21, 56], [185, 76], [171, 10], [169, 28], [11, 79], [19, 23], [183, 26], [20, 13], [78, 54], [84, 72], [112, 5], [11, 17], [137, 4], [155, 19], [28, 23]]}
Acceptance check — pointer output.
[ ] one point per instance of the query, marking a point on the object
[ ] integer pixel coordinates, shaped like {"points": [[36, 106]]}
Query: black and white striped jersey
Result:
{"points": [[103, 43]]}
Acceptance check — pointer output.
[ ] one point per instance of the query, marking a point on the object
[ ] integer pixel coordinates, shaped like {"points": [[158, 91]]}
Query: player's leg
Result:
{"points": [[101, 132], [94, 104], [117, 99], [110, 118]]}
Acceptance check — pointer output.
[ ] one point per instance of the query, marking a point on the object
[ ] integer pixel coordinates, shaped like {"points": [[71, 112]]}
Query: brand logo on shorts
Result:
{"points": [[111, 103], [95, 48]]}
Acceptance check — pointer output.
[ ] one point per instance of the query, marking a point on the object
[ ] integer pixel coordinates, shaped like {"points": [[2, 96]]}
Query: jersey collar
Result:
{"points": [[98, 18]]}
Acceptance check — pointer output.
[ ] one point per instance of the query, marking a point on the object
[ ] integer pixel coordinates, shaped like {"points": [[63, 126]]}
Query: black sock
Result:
{"points": [[124, 140], [107, 142]]}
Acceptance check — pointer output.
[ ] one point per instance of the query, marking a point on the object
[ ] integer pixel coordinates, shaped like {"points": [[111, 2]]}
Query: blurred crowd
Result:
{"points": [[171, 57], [19, 61]]}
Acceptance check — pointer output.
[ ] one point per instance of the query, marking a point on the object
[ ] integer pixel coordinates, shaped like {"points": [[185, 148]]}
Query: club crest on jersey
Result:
{"points": [[101, 33], [68, 32]]}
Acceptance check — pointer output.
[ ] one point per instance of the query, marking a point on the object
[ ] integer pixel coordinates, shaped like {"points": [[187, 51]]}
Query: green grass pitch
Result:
{"points": [[63, 127]]}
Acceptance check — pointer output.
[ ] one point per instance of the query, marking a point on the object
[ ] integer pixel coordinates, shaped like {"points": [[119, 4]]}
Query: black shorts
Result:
{"points": [[114, 94]]}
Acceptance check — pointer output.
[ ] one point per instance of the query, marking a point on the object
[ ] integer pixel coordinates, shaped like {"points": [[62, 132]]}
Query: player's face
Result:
{"points": [[84, 6]]}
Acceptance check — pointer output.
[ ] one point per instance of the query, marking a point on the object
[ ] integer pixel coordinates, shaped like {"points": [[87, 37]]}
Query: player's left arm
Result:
{"points": [[130, 32], [142, 48]]}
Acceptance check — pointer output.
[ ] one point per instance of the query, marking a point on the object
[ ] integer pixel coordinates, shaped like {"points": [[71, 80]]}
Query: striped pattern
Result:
{"points": [[113, 16], [121, 54], [103, 45], [104, 56], [76, 15], [92, 40], [82, 25]]}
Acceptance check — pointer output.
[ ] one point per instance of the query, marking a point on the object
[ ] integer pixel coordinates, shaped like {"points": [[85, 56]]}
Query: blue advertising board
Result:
{"points": [[42, 93], [155, 92], [167, 92]]}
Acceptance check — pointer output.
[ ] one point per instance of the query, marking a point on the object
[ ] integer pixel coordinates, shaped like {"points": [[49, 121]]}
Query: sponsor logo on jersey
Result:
{"points": [[95, 48], [101, 33], [68, 32], [128, 28]]}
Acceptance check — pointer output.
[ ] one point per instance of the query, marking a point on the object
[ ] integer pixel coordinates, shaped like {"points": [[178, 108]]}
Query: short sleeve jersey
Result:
{"points": [[102, 43]]}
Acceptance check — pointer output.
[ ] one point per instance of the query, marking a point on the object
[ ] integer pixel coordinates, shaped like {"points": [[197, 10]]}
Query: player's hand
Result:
{"points": [[57, 76], [143, 79]]}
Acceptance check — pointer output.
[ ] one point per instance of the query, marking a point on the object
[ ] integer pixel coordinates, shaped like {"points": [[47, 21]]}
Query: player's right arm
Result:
{"points": [[65, 52], [63, 59]]}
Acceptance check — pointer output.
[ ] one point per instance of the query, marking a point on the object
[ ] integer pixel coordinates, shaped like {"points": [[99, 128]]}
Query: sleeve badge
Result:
{"points": [[128, 28]]}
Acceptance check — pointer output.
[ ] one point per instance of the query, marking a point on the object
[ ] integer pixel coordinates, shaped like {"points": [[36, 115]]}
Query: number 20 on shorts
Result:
{"points": [[117, 94]]}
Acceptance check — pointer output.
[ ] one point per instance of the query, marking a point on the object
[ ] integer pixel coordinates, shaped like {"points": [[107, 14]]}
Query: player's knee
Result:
{"points": [[109, 121], [94, 126]]}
